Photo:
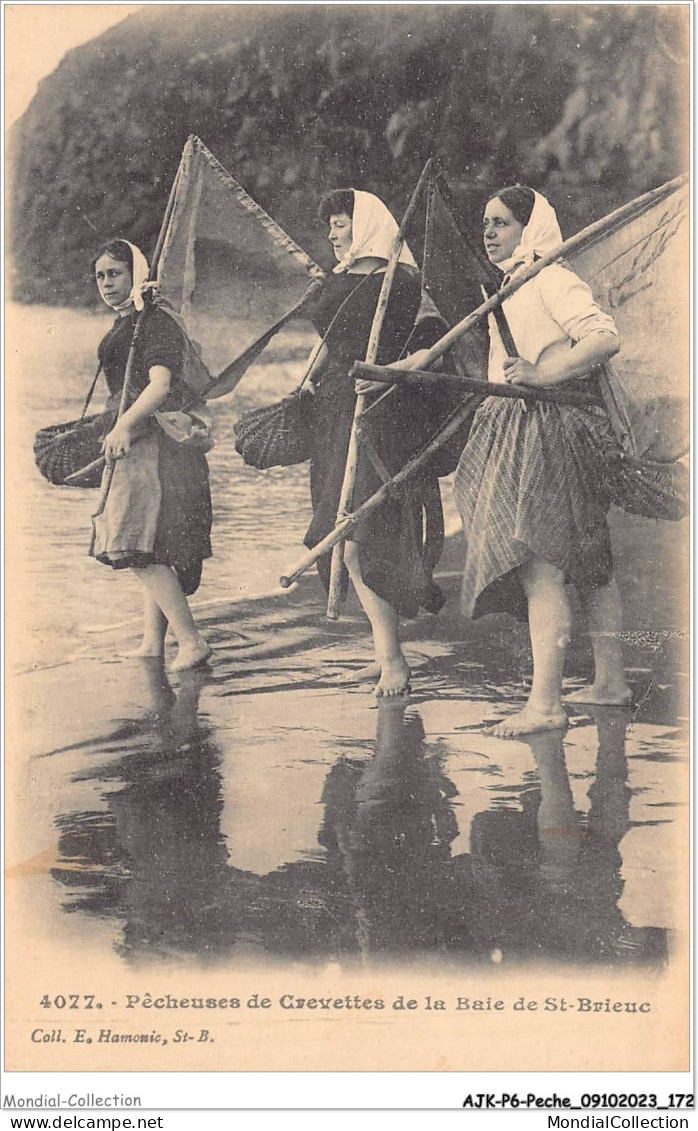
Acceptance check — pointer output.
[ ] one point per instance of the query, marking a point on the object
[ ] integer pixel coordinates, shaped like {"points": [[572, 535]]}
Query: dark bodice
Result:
{"points": [[160, 343], [347, 339], [396, 555]]}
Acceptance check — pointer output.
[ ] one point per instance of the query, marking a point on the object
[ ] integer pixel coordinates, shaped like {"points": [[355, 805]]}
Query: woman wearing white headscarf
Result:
{"points": [[390, 556], [156, 520], [529, 483]]}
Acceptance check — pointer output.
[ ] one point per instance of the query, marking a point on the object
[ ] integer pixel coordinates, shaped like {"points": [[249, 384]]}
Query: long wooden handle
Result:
{"points": [[107, 480], [426, 377], [349, 521], [576, 243], [152, 275], [227, 380], [104, 493], [587, 237], [77, 475], [334, 596], [470, 385], [353, 452]]}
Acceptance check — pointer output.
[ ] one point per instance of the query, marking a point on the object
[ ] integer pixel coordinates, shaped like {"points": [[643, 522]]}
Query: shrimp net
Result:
{"points": [[227, 270], [638, 272]]}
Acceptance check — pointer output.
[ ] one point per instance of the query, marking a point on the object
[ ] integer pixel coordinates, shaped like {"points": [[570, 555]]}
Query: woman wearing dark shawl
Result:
{"points": [[390, 556]]}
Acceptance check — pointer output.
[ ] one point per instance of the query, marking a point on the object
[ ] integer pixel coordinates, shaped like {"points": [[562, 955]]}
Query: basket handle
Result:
{"points": [[92, 389], [315, 352]]}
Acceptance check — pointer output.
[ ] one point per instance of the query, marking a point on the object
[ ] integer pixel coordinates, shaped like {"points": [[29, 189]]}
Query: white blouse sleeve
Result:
{"points": [[571, 303]]}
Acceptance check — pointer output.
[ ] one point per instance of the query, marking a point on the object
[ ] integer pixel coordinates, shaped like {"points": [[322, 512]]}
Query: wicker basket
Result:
{"points": [[650, 489], [62, 449], [278, 435]]}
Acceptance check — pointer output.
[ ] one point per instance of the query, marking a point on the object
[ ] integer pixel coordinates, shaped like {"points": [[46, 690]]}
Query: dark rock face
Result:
{"points": [[588, 104]]}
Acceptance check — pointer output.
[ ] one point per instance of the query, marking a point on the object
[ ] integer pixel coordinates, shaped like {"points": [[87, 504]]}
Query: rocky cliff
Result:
{"points": [[587, 103]]}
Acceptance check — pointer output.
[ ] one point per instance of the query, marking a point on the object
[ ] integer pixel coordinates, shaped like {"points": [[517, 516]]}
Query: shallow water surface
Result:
{"points": [[262, 811], [259, 516]]}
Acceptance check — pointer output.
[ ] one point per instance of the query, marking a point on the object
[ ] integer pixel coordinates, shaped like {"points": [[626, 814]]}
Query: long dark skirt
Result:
{"points": [[532, 482], [401, 541], [158, 510]]}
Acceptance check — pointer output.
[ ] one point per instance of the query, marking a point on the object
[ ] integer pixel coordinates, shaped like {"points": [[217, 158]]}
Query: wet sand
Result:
{"points": [[259, 827], [260, 811]]}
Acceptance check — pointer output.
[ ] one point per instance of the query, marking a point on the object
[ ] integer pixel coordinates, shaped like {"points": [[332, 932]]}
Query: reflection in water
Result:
{"points": [[389, 825], [156, 858], [548, 879], [540, 880]]}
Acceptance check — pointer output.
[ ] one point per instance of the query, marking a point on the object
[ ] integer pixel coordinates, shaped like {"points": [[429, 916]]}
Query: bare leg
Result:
{"points": [[162, 586], [559, 830], [550, 623], [161, 697], [605, 620], [385, 625], [154, 625]]}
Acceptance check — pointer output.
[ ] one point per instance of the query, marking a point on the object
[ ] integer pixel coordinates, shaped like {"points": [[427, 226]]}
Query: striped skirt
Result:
{"points": [[532, 482]]}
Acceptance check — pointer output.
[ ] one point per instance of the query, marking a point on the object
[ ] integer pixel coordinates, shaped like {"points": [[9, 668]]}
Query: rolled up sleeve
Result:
{"points": [[571, 303]]}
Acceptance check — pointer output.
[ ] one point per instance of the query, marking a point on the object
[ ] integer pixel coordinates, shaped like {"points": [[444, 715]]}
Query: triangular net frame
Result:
{"points": [[649, 227], [443, 255], [230, 273], [638, 271]]}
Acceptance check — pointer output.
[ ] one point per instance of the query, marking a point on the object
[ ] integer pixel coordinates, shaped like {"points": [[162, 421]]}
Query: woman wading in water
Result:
{"points": [[156, 520], [529, 483], [390, 556]]}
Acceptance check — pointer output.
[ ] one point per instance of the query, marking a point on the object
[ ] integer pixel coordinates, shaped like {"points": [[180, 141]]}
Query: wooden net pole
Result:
{"points": [[578, 242], [393, 486], [353, 452], [549, 394], [586, 237], [123, 403]]}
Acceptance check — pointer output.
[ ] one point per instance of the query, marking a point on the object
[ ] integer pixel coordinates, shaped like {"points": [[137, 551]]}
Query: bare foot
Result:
{"points": [[601, 696], [395, 678], [192, 656], [146, 651], [527, 721], [360, 675]]}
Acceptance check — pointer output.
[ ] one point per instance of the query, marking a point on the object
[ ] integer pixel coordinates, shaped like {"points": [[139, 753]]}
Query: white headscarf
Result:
{"points": [[374, 229], [540, 235], [139, 275]]}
